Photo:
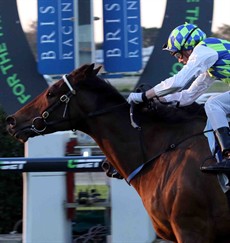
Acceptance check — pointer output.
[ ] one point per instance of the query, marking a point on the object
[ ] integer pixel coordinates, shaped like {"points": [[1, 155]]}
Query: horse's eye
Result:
{"points": [[50, 95]]}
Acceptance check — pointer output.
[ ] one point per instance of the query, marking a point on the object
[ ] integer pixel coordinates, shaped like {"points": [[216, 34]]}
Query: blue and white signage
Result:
{"points": [[122, 35], [55, 36]]}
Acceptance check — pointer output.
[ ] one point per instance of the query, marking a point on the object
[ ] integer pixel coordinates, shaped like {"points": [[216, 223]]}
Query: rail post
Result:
{"points": [[44, 217]]}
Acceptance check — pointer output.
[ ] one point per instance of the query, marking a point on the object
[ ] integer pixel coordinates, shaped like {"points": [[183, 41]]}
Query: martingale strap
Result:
{"points": [[171, 147]]}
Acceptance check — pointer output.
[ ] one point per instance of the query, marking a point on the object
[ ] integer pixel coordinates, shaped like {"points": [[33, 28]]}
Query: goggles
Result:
{"points": [[177, 54]]}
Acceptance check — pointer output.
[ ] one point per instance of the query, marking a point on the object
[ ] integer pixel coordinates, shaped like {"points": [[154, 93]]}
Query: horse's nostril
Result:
{"points": [[11, 121]]}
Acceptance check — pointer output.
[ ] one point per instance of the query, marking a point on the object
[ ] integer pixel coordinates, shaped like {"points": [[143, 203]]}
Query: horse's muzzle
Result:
{"points": [[11, 121], [21, 134]]}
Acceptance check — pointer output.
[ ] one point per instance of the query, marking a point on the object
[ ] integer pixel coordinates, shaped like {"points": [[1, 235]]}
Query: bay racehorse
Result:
{"points": [[160, 158]]}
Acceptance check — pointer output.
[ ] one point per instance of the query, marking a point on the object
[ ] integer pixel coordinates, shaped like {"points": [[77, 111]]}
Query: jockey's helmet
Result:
{"points": [[184, 37]]}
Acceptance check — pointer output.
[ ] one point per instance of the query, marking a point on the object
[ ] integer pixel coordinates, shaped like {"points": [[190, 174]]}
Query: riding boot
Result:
{"points": [[223, 138]]}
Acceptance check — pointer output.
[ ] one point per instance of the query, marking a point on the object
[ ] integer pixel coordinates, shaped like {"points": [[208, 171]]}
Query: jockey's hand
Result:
{"points": [[135, 97]]}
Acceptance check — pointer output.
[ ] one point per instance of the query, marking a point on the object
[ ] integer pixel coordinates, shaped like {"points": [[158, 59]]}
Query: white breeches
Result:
{"points": [[217, 109]]}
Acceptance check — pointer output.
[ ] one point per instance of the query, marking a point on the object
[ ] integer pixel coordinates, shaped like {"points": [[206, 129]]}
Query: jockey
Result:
{"points": [[205, 60]]}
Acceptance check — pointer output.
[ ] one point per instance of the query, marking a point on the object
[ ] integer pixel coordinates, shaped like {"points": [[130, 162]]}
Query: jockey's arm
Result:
{"points": [[188, 96], [201, 59]]}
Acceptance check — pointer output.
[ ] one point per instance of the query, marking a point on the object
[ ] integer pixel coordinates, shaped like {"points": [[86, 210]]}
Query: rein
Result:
{"points": [[106, 110]]}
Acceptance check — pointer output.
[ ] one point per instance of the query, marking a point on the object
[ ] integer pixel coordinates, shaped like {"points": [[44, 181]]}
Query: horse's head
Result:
{"points": [[55, 109]]}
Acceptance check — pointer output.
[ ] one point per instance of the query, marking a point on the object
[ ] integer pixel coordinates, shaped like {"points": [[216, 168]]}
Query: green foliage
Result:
{"points": [[103, 190], [10, 183], [10, 201], [149, 36], [9, 147], [223, 32]]}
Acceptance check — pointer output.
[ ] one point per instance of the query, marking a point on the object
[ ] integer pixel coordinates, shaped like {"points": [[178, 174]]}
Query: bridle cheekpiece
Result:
{"points": [[45, 114]]}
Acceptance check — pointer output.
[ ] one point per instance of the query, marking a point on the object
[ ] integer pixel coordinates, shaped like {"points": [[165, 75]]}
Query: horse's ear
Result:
{"points": [[90, 69], [96, 70]]}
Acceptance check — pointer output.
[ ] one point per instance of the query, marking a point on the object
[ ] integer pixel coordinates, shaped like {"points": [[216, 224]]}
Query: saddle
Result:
{"points": [[168, 110]]}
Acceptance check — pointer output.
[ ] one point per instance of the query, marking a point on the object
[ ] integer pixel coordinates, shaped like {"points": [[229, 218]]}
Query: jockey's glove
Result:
{"points": [[137, 98]]}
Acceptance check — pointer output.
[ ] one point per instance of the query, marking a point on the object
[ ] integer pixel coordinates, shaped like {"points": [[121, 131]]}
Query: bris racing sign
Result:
{"points": [[122, 36], [55, 36]]}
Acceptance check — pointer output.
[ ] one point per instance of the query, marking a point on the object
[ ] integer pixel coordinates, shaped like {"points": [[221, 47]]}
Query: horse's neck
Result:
{"points": [[123, 145], [119, 141]]}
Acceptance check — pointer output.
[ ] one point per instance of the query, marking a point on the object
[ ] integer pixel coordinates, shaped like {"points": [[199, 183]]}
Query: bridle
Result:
{"points": [[64, 99]]}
